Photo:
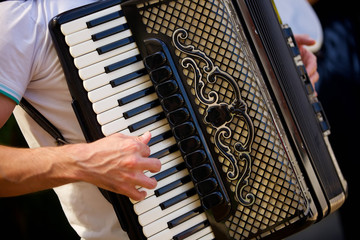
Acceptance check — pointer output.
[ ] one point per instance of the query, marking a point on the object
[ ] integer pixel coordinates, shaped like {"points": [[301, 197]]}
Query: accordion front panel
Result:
{"points": [[272, 181], [188, 71]]}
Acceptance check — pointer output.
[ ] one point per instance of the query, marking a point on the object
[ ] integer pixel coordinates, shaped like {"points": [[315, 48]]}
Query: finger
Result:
{"points": [[140, 180], [304, 39], [309, 60], [314, 78], [151, 164], [145, 138], [146, 182], [133, 193], [311, 66]]}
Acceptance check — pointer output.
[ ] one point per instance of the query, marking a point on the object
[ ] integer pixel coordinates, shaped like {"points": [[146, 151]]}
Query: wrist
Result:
{"points": [[72, 164]]}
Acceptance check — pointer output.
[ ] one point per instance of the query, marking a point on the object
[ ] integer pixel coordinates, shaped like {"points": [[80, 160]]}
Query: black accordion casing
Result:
{"points": [[243, 111]]}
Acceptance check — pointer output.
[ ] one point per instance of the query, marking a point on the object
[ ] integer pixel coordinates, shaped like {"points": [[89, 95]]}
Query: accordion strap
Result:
{"points": [[43, 122]]}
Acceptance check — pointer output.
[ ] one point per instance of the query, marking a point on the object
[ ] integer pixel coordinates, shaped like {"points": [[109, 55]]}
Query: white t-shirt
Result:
{"points": [[29, 67]]}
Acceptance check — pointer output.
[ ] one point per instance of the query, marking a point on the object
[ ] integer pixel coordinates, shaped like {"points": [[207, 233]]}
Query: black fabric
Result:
{"points": [[339, 92]]}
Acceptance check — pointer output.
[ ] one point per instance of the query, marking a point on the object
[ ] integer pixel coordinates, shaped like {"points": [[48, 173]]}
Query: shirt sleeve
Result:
{"points": [[17, 48]]}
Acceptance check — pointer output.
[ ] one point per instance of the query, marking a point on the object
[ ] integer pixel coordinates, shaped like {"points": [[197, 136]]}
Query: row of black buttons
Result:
{"points": [[183, 127]]}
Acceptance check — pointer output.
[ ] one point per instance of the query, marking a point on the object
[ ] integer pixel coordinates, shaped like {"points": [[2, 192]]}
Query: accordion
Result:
{"points": [[235, 122]]}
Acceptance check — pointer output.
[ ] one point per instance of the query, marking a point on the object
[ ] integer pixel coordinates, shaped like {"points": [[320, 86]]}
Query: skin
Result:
{"points": [[308, 58], [116, 163]]}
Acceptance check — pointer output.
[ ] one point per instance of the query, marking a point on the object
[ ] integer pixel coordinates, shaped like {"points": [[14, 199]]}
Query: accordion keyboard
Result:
{"points": [[125, 101]]}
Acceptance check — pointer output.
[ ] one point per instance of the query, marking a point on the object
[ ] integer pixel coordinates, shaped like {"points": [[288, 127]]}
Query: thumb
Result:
{"points": [[145, 138]]}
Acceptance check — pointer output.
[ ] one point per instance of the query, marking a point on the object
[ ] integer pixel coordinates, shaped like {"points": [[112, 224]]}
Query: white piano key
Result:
{"points": [[154, 201], [160, 130], [170, 157], [145, 129], [90, 45], [157, 213], [80, 23], [98, 68], [169, 233], [122, 123], [98, 94], [86, 34], [101, 93], [111, 101], [162, 145], [117, 112], [94, 57], [161, 224], [204, 234], [164, 182], [166, 165]]}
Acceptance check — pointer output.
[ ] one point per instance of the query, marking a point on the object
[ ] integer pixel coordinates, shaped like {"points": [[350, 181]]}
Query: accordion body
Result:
{"points": [[239, 113]]}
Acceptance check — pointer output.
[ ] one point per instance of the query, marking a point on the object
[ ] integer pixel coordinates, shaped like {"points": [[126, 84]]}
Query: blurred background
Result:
{"points": [[33, 216], [335, 25]]}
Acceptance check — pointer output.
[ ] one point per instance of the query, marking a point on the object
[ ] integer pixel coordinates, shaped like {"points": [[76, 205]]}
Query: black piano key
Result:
{"points": [[165, 152], [169, 172], [184, 217], [133, 112], [146, 122], [191, 231], [122, 63], [109, 32], [160, 137], [136, 95], [104, 19], [171, 186], [127, 78], [114, 45], [177, 199]]}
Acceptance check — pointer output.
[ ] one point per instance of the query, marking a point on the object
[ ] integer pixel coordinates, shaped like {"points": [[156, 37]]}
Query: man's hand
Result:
{"points": [[308, 58], [117, 163]]}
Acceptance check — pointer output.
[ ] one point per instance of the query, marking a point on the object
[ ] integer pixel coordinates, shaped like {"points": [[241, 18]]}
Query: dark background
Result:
{"points": [[32, 216]]}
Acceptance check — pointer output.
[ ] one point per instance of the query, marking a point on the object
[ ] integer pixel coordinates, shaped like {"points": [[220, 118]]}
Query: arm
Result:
{"points": [[7, 107], [116, 163]]}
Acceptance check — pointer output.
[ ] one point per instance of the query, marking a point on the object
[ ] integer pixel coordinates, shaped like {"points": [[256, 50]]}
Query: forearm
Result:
{"points": [[116, 163], [29, 170]]}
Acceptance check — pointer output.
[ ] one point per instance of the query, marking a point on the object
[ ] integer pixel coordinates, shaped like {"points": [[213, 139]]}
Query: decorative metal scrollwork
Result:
{"points": [[219, 114]]}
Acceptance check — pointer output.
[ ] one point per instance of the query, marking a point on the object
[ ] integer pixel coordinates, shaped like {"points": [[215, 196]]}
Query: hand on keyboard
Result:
{"points": [[309, 59], [117, 163]]}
